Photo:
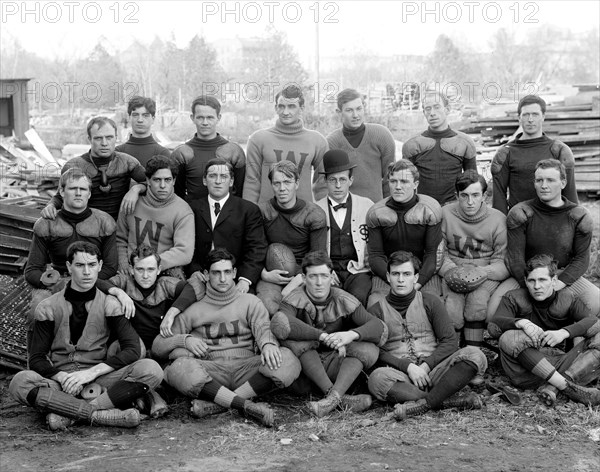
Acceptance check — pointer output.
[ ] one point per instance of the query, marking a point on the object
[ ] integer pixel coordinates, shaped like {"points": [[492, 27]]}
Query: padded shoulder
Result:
{"points": [[48, 308], [416, 145], [459, 145], [346, 303], [582, 219], [519, 214], [127, 159], [381, 215], [315, 216], [106, 223], [268, 211], [112, 306], [183, 154], [43, 228], [563, 153], [500, 159], [233, 153], [427, 211]]}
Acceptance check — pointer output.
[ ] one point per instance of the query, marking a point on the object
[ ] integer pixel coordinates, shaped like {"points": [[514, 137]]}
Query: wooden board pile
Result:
{"points": [[578, 126], [16, 296]]}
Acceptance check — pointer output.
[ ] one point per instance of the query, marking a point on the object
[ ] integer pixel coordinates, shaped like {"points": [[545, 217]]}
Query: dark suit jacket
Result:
{"points": [[239, 229]]}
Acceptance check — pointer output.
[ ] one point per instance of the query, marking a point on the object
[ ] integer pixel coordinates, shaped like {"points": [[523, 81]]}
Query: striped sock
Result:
{"points": [[473, 332], [256, 385], [534, 361], [221, 395]]}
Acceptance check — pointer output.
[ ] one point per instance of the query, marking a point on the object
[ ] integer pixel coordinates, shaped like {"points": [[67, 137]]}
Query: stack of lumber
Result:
{"points": [[16, 297]]}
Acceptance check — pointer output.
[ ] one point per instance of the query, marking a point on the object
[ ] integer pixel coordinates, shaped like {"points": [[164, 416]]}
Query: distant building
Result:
{"points": [[14, 107]]}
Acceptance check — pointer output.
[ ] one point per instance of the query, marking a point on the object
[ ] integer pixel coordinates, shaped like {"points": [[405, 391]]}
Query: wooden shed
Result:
{"points": [[14, 108]]}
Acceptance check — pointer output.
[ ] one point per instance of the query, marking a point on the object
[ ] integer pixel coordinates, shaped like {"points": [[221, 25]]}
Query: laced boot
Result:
{"points": [[114, 417], [325, 405], [58, 423], [415, 408], [152, 404], [260, 412], [547, 394], [585, 395], [202, 408], [357, 403], [472, 401]]}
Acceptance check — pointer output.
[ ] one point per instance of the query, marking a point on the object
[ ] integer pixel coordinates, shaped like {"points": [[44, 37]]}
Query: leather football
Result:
{"points": [[280, 257]]}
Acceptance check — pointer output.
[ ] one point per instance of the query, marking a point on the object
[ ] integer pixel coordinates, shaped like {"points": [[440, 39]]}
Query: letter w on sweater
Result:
{"points": [[291, 156], [146, 230]]}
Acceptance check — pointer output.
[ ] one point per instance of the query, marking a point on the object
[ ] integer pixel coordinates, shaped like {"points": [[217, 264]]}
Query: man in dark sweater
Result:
{"points": [[300, 225], [440, 153], [141, 144], [331, 333], [407, 220], [75, 221], [226, 221], [422, 366], [110, 171], [206, 144], [370, 146], [69, 351], [536, 326], [551, 224], [514, 163]]}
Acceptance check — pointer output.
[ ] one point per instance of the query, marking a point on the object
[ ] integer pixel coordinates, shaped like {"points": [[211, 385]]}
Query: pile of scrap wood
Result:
{"points": [[16, 298], [578, 126]]}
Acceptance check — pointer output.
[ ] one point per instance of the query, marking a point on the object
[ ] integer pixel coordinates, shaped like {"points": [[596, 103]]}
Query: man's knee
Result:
{"points": [[300, 347], [383, 379], [513, 342], [289, 371], [24, 381], [187, 375], [496, 297], [366, 353], [147, 371], [475, 356]]}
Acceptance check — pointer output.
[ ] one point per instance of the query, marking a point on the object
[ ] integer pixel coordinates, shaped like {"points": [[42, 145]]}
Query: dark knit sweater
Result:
{"points": [[192, 158], [562, 310], [354, 136], [389, 231], [440, 157], [513, 170], [119, 169], [143, 148], [51, 238], [436, 313], [536, 228]]}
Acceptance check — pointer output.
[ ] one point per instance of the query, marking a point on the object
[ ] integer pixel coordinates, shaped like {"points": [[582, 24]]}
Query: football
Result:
{"points": [[281, 257]]}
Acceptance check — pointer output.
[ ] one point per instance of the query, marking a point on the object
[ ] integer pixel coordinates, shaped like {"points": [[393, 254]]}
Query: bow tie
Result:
{"points": [[339, 205]]}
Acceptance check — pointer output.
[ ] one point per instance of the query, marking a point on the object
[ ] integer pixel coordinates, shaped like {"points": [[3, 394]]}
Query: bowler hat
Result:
{"points": [[336, 160]]}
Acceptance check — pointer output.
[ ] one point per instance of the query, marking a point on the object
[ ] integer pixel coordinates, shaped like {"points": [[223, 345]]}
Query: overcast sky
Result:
{"points": [[71, 29]]}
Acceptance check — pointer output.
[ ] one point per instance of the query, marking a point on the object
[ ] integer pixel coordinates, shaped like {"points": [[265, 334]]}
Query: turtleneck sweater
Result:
{"points": [[372, 148], [192, 158], [478, 239], [166, 225], [143, 148], [565, 232], [513, 170], [294, 143], [230, 323]]}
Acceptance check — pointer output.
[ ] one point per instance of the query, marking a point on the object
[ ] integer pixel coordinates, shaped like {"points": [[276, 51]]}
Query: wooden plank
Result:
{"points": [[19, 212], [14, 242]]}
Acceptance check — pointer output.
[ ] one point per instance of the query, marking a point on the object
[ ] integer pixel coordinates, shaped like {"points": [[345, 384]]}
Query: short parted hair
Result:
{"points": [[347, 95], [138, 102], [143, 251], [206, 100], [291, 91], [74, 173], [82, 246], [470, 177], [403, 164], [100, 121], [161, 162], [441, 97], [539, 261], [553, 164], [219, 254], [401, 257], [218, 161], [316, 258], [287, 168], [531, 100]]}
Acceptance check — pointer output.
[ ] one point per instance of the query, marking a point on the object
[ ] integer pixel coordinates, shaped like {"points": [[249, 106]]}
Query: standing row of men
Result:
{"points": [[218, 241]]}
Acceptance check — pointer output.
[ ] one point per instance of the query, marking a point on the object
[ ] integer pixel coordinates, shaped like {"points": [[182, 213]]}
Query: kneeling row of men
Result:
{"points": [[219, 346]]}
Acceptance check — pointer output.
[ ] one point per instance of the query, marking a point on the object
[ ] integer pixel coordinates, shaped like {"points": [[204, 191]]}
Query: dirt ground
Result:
{"points": [[500, 437]]}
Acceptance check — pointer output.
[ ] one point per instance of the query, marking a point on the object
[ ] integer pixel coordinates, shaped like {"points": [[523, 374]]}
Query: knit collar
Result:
{"points": [[401, 302], [543, 304], [218, 298], [394, 205], [530, 142], [145, 292], [151, 200], [99, 161], [540, 205], [447, 133], [213, 143], [75, 217], [476, 218], [141, 141], [297, 207], [72, 295], [289, 129], [353, 132]]}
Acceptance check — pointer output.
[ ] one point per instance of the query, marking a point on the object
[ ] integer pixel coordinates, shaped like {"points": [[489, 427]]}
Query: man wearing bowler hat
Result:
{"points": [[346, 222]]}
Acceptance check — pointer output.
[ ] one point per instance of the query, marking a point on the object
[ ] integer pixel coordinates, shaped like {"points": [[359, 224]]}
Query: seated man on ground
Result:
{"points": [[422, 365], [536, 326], [301, 225], [331, 333], [69, 352], [214, 345], [473, 267]]}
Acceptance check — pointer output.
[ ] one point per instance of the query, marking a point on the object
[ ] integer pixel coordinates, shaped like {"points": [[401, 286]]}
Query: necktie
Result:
{"points": [[340, 205], [217, 208]]}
